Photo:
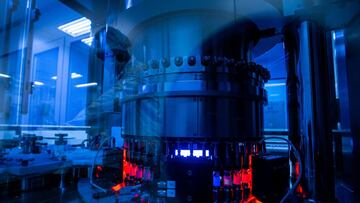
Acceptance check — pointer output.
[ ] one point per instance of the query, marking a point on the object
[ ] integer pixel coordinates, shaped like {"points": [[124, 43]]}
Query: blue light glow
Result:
{"points": [[275, 84], [198, 153], [185, 152], [129, 4]]}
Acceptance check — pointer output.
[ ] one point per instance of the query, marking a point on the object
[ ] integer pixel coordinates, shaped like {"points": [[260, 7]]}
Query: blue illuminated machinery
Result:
{"points": [[192, 106]]}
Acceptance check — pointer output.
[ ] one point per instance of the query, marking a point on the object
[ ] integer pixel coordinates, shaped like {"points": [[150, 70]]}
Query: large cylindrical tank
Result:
{"points": [[195, 79]]}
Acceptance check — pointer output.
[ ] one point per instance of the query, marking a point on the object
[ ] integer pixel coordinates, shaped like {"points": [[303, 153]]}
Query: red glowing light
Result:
{"points": [[299, 189], [237, 178], [246, 176], [124, 154], [297, 168], [116, 188], [133, 170], [98, 170], [252, 199]]}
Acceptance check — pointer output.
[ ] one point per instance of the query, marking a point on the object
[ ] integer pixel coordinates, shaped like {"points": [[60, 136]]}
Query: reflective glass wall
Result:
{"points": [[44, 70], [42, 65]]}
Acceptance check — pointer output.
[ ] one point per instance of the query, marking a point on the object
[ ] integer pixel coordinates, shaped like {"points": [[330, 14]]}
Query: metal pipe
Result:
{"points": [[291, 43], [32, 14], [316, 81], [292, 83]]}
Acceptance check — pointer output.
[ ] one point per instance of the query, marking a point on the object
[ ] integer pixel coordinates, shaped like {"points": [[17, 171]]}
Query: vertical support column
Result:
{"points": [[317, 95], [291, 42], [352, 42], [25, 87], [292, 84]]}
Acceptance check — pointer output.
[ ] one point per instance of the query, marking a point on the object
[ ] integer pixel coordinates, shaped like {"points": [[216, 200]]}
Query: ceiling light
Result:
{"points": [[77, 27], [4, 75], [75, 75], [54, 77], [37, 83], [275, 84], [86, 85], [88, 40]]}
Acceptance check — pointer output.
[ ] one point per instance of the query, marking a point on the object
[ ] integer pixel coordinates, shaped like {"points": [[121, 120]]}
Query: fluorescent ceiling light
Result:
{"points": [[37, 83], [75, 75], [77, 27], [54, 77], [88, 41], [275, 84], [86, 85], [4, 75], [129, 4]]}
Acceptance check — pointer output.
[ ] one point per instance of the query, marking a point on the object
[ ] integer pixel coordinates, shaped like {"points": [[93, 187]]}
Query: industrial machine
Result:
{"points": [[205, 79], [171, 97]]}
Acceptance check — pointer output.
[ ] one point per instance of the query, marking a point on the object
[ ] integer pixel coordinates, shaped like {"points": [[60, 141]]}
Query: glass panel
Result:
{"points": [[42, 102], [77, 80], [341, 86], [9, 86], [13, 37], [275, 113], [344, 145]]}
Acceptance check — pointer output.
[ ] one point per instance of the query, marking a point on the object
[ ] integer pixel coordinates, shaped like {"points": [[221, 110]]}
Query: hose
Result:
{"points": [[298, 157], [93, 166]]}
